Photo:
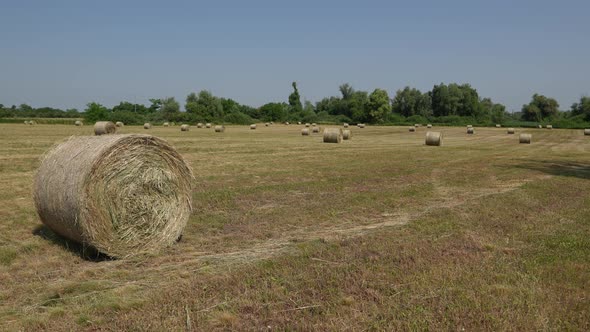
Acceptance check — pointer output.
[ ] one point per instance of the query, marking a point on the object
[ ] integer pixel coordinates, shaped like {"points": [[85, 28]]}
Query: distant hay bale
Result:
{"points": [[104, 128], [307, 125], [470, 131], [332, 135], [32, 123], [346, 134], [549, 127], [298, 122], [434, 138], [540, 126], [199, 125], [26, 122], [184, 127], [305, 132], [272, 123], [469, 126], [498, 125], [121, 194], [525, 138], [147, 125], [78, 123], [510, 131], [266, 125], [219, 129], [119, 124], [586, 132], [361, 125], [287, 123], [345, 125], [412, 129], [208, 125], [313, 124], [416, 125], [315, 130], [429, 126], [252, 126], [166, 124]]}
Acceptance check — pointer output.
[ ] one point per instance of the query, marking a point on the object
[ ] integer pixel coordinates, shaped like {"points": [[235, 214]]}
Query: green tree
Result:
{"points": [[411, 101], [379, 106], [170, 108], [274, 112], [346, 90], [95, 112], [540, 108], [295, 99], [204, 106], [582, 108]]}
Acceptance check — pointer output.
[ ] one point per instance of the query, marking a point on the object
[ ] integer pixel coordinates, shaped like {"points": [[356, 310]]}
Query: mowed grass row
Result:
{"points": [[377, 232]]}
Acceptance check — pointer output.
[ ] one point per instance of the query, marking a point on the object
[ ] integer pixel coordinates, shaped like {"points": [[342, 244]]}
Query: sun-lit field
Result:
{"points": [[377, 233]]}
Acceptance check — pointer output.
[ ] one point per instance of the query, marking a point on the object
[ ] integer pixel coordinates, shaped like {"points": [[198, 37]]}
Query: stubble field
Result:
{"points": [[377, 233]]}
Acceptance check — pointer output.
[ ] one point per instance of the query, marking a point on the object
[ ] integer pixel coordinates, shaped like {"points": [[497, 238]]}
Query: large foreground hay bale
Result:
{"points": [[219, 129], [525, 138], [184, 127], [346, 134], [470, 131], [121, 194], [78, 123], [332, 135], [587, 132], [208, 125], [305, 132], [510, 131], [412, 129], [104, 127], [434, 138], [252, 126], [119, 124], [315, 130], [147, 125]]}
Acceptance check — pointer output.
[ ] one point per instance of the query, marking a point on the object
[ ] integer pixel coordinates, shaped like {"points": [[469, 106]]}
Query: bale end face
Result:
{"points": [[332, 135], [345, 125], [104, 128], [434, 138], [525, 138]]}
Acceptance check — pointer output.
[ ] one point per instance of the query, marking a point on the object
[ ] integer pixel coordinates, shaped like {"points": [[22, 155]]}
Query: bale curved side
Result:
{"points": [[332, 135], [104, 128], [434, 138], [121, 194]]}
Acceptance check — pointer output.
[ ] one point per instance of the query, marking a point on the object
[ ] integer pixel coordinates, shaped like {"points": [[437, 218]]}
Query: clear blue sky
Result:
{"points": [[67, 53]]}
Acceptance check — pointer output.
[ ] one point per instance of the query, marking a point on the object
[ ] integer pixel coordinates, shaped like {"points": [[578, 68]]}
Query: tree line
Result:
{"points": [[446, 104]]}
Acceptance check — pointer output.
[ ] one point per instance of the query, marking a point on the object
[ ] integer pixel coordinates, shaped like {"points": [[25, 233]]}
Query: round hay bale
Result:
{"points": [[510, 131], [345, 125], [434, 138], [287, 123], [498, 125], [586, 132], [184, 127], [166, 124], [549, 127], [207, 125], [470, 131], [266, 125], [272, 123], [332, 135], [121, 194], [540, 127], [361, 125], [525, 138], [313, 124], [26, 122], [412, 129], [78, 123], [307, 125], [32, 122], [104, 128], [469, 126], [315, 130], [119, 124], [305, 132], [199, 125], [346, 134], [298, 122], [429, 126], [417, 125], [219, 129], [252, 126], [147, 125]]}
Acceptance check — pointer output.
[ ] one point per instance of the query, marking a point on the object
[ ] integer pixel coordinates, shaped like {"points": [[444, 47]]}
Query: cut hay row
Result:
{"points": [[121, 194], [104, 128]]}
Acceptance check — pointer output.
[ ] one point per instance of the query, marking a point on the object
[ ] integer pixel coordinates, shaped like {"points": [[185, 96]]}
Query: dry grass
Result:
{"points": [[480, 234]]}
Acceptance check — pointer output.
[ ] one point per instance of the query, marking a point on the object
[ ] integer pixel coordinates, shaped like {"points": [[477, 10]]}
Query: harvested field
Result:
{"points": [[382, 232]]}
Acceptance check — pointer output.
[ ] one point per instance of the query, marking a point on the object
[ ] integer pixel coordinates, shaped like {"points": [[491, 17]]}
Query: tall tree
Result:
{"points": [[95, 112], [205, 106], [295, 99], [582, 107], [346, 90], [540, 108], [411, 101], [379, 106], [170, 107]]}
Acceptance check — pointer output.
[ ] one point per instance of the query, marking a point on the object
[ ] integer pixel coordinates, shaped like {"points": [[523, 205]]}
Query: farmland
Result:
{"points": [[379, 232]]}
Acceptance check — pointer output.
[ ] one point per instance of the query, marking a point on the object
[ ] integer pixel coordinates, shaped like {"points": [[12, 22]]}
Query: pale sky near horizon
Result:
{"points": [[67, 53]]}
